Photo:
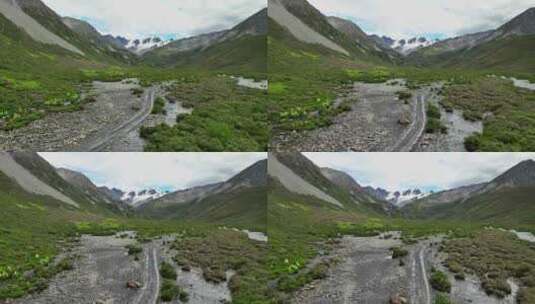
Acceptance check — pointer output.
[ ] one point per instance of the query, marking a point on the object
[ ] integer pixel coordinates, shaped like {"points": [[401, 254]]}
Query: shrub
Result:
{"points": [[137, 91], [442, 299], [435, 126], [159, 106], [167, 271], [472, 143], [398, 252], [134, 249], [65, 264], [440, 282], [169, 291], [403, 95]]}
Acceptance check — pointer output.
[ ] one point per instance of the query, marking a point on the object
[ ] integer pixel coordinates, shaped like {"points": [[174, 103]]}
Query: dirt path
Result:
{"points": [[420, 291], [149, 292], [417, 126], [114, 112], [100, 274], [373, 124], [368, 274], [100, 142]]}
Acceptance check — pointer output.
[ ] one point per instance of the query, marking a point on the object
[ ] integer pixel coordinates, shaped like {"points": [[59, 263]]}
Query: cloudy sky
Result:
{"points": [[430, 18], [163, 18], [426, 171], [163, 171]]}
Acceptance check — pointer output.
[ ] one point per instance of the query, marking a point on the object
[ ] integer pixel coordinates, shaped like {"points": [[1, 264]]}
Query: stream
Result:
{"points": [[251, 83], [172, 110], [525, 236], [524, 84]]}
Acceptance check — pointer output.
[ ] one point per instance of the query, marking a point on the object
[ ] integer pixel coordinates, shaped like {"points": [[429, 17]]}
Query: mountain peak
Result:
{"points": [[523, 24], [522, 174]]}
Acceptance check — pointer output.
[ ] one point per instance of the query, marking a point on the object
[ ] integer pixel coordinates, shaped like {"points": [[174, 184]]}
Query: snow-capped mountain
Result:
{"points": [[137, 46], [403, 46], [141, 46], [407, 46], [398, 198], [135, 197]]}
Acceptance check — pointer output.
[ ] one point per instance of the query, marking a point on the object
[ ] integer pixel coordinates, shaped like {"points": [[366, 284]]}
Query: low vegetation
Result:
{"points": [[222, 251], [442, 298], [398, 252], [167, 271], [494, 257], [439, 281], [159, 106], [434, 125], [225, 117], [506, 111]]}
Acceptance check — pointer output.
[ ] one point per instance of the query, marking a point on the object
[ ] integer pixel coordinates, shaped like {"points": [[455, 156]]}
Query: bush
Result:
{"points": [[138, 92], [497, 287], [134, 249], [65, 264], [398, 252], [169, 291], [472, 143], [403, 95], [435, 126], [159, 106], [181, 117], [442, 299], [167, 271], [439, 281]]}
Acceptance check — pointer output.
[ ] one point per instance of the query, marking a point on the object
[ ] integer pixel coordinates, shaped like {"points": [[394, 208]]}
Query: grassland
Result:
{"points": [[302, 228], [35, 230], [305, 81], [224, 250], [38, 79], [494, 257], [225, 117]]}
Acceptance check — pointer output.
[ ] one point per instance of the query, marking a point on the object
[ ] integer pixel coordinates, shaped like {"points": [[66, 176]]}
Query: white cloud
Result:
{"points": [[409, 18], [142, 18], [138, 171], [399, 171]]}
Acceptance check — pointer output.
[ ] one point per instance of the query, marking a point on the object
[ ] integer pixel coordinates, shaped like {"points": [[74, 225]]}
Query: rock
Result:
{"points": [[186, 268], [30, 274], [397, 299], [405, 119], [133, 284]]}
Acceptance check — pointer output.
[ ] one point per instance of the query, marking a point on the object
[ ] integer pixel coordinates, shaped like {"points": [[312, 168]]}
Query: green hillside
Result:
{"points": [[244, 208], [244, 56], [35, 230], [512, 207], [38, 79], [511, 54]]}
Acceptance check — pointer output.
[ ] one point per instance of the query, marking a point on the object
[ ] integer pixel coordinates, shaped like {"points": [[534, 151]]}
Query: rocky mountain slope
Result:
{"points": [[36, 176], [342, 37], [64, 36], [358, 36], [100, 42], [300, 175]]}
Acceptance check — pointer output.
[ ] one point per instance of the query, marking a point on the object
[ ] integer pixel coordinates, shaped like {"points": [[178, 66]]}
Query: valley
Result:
{"points": [[342, 57], [66, 87], [64, 238], [365, 249]]}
